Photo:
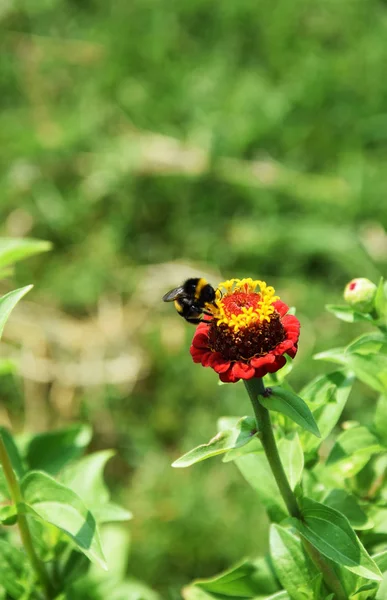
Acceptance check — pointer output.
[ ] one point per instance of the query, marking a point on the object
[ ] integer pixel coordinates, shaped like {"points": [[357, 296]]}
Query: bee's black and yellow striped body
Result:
{"points": [[190, 299]]}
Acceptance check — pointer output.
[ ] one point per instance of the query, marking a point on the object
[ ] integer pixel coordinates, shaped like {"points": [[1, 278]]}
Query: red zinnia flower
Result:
{"points": [[249, 333]]}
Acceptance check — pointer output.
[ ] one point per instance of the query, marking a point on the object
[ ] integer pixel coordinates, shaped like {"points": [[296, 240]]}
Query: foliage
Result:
{"points": [[339, 483], [152, 140], [60, 519]]}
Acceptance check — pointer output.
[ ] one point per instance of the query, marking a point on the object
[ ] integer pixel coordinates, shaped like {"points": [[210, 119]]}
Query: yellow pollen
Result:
{"points": [[230, 309]]}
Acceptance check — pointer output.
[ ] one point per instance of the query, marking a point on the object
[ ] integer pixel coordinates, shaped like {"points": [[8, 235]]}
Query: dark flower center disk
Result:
{"points": [[257, 339]]}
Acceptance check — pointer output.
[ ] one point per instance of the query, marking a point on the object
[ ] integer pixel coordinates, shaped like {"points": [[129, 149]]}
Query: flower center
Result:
{"points": [[257, 339], [241, 304], [245, 322]]}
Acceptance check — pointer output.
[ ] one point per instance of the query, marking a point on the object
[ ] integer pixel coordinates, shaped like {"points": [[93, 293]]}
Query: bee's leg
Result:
{"points": [[194, 320], [208, 313]]}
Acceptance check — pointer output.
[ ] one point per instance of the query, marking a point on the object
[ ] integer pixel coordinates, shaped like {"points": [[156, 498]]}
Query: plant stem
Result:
{"points": [[255, 388], [25, 534]]}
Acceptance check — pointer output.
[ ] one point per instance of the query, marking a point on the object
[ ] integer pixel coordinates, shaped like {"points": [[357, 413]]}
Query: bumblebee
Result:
{"points": [[190, 299]]}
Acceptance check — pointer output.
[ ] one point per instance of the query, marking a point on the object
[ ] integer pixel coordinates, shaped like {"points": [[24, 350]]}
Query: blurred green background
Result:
{"points": [[153, 140]]}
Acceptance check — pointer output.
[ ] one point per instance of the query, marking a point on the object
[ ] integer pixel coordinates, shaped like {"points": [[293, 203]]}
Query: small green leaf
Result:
{"points": [[191, 592], [110, 513], [371, 369], [347, 504], [381, 560], [335, 355], [294, 569], [279, 596], [365, 588], [369, 343], [8, 303], [243, 432], [352, 450], [292, 406], [13, 452], [380, 419], [52, 450], [244, 580], [8, 514], [330, 532], [85, 478], [347, 314], [380, 301], [54, 503], [292, 458], [14, 249], [14, 570], [326, 397], [255, 469]]}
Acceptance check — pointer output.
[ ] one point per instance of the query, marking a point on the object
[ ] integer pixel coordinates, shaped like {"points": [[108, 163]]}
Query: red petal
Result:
{"points": [[197, 354], [279, 363], [291, 323], [281, 307], [293, 351], [220, 365], [283, 347], [228, 377], [261, 361], [201, 328], [243, 370], [200, 340], [260, 372], [207, 358]]}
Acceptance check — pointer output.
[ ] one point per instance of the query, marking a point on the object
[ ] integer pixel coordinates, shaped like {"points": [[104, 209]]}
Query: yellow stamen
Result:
{"points": [[261, 309]]}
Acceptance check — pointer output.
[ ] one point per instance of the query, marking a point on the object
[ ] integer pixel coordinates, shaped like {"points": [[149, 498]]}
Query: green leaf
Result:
{"points": [[352, 450], [131, 589], [326, 397], [52, 450], [85, 478], [244, 580], [381, 594], [380, 419], [369, 343], [347, 314], [8, 514], [347, 504], [14, 249], [330, 532], [292, 457], [116, 545], [381, 560], [8, 303], [371, 369], [255, 469], [191, 592], [380, 301], [291, 405], [335, 355], [54, 503], [243, 432], [13, 452], [363, 591], [378, 534], [294, 569], [15, 571]]}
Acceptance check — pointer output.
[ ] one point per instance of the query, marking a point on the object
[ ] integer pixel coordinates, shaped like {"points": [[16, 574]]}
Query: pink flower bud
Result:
{"points": [[360, 294]]}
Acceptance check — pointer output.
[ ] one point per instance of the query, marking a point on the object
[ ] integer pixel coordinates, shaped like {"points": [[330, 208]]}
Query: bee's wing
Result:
{"points": [[173, 294]]}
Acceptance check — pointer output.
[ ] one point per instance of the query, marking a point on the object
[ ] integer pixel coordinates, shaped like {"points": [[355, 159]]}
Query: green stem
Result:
{"points": [[22, 522], [255, 388]]}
